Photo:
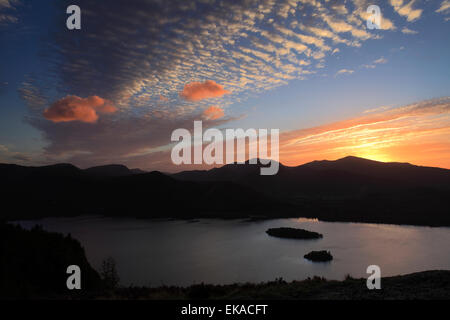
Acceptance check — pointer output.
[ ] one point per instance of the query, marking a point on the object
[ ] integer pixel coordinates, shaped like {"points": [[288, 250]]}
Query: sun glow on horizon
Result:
{"points": [[418, 134], [373, 155]]}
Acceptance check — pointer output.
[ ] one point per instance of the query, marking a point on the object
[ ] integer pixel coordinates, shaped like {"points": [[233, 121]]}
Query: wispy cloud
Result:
{"points": [[344, 71], [409, 31], [7, 155], [406, 9], [7, 11], [381, 60], [382, 108], [125, 140], [444, 7]]}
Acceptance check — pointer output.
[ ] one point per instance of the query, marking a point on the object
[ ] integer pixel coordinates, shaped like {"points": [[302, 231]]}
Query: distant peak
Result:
{"points": [[355, 159], [110, 170], [60, 165], [364, 160], [121, 166], [259, 161]]}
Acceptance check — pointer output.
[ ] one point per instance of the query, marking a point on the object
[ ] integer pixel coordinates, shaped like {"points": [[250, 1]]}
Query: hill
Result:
{"points": [[34, 264], [340, 177], [65, 190], [112, 170], [348, 189]]}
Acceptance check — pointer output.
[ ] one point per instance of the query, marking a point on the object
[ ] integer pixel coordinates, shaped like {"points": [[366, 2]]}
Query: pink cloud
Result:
{"points": [[73, 108], [213, 113], [196, 91]]}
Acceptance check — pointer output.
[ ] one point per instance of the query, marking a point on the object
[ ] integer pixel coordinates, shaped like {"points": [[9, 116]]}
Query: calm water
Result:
{"points": [[153, 253]]}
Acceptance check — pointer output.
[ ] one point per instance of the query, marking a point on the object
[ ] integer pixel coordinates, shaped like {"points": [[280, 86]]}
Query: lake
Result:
{"points": [[176, 252]]}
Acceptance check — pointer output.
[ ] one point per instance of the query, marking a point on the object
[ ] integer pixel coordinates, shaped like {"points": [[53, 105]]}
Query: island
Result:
{"points": [[293, 233], [319, 256]]}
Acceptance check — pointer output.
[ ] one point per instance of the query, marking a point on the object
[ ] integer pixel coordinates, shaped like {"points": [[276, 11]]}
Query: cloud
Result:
{"points": [[157, 48], [361, 13], [32, 94], [369, 66], [196, 91], [73, 108], [344, 71], [213, 113], [445, 5], [406, 10], [7, 11], [7, 3], [383, 133], [340, 26], [238, 44], [133, 141], [7, 156], [409, 31], [382, 108], [380, 60]]}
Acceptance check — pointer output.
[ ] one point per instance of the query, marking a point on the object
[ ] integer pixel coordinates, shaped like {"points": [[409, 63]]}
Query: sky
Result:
{"points": [[115, 90]]}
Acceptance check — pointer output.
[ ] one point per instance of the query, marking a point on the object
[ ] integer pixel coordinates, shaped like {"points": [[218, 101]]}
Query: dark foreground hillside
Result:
{"points": [[420, 285], [33, 264]]}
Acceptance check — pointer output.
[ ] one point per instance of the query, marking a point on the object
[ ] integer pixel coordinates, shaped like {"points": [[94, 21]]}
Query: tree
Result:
{"points": [[109, 273]]}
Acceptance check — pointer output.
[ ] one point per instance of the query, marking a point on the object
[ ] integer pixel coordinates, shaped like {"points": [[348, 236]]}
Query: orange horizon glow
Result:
{"points": [[418, 134]]}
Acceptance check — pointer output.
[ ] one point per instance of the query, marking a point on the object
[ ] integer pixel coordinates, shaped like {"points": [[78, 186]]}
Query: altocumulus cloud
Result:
{"points": [[158, 56], [73, 108]]}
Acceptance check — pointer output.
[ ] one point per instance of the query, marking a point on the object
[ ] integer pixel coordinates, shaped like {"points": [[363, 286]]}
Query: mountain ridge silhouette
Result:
{"points": [[347, 189]]}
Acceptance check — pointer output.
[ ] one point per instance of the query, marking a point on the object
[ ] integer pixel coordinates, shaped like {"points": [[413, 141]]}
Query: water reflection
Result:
{"points": [[156, 252]]}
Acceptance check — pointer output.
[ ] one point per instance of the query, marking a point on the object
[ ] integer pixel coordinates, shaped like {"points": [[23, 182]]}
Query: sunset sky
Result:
{"points": [[114, 91]]}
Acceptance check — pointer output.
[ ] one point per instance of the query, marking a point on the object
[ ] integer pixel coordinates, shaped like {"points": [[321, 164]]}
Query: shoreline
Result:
{"points": [[243, 218]]}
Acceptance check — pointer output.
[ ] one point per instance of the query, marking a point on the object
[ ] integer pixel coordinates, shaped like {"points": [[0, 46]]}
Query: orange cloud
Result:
{"points": [[73, 108], [196, 91], [162, 98], [213, 113]]}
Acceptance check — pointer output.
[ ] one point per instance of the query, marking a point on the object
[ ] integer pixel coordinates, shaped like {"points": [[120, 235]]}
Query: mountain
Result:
{"points": [[394, 172], [348, 189], [65, 190], [12, 173], [347, 176], [137, 171], [112, 170]]}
